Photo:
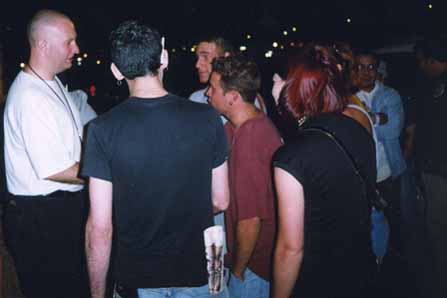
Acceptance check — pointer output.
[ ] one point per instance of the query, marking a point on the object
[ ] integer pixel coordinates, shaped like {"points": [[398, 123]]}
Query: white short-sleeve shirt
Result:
{"points": [[43, 135]]}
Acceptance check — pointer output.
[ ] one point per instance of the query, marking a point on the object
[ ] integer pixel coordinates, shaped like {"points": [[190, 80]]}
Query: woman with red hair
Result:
{"points": [[323, 247]]}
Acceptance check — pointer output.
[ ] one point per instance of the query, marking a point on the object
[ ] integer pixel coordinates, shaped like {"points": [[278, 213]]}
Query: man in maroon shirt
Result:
{"points": [[253, 139]]}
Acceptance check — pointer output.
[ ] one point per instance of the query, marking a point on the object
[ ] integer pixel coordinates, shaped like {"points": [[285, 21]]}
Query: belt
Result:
{"points": [[13, 199]]}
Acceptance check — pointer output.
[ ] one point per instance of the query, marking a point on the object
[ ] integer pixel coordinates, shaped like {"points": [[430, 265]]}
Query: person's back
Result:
{"points": [[336, 221], [157, 168], [161, 171]]}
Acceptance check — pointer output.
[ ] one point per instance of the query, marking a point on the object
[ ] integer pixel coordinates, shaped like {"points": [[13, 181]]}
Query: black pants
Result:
{"points": [[390, 190], [45, 236]]}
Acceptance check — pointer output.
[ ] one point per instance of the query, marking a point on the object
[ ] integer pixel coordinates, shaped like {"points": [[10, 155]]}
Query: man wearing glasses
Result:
{"points": [[387, 114]]}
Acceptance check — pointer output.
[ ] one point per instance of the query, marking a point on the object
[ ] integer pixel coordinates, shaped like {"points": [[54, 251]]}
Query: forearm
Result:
{"points": [[246, 238], [286, 267], [98, 247], [69, 175]]}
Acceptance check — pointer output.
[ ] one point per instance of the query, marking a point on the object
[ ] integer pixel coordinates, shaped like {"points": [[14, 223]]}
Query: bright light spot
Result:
{"points": [[22, 65], [79, 63], [173, 50], [281, 47], [292, 44], [184, 48], [85, 55], [269, 54], [348, 20], [430, 6], [285, 33], [193, 49], [243, 48], [98, 62], [275, 44], [248, 36], [294, 29], [79, 59]]}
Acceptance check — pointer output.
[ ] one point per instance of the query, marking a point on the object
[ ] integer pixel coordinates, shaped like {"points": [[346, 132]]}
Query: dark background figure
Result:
{"points": [[430, 147]]}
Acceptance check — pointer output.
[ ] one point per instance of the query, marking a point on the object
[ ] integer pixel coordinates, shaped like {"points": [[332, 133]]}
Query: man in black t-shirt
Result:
{"points": [[161, 160]]}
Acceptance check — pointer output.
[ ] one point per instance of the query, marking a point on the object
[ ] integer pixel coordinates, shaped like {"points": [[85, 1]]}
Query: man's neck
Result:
{"points": [[146, 87], [35, 68], [369, 89], [243, 114]]}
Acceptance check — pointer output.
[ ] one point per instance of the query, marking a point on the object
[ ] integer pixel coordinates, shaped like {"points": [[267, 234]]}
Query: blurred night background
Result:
{"points": [[389, 27]]}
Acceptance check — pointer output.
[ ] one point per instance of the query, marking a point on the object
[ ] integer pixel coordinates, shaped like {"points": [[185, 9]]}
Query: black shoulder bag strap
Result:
{"points": [[376, 199]]}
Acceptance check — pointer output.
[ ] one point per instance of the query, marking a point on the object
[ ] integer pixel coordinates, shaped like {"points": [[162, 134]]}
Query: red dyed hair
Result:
{"points": [[314, 85]]}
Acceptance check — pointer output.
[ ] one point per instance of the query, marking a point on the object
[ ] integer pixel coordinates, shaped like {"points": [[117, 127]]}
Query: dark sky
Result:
{"points": [[373, 22]]}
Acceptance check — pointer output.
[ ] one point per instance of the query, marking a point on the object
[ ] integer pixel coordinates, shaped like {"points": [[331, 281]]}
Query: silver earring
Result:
{"points": [[119, 82]]}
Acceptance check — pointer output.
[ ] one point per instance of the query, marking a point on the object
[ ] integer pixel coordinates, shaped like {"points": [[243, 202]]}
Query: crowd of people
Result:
{"points": [[116, 205]]}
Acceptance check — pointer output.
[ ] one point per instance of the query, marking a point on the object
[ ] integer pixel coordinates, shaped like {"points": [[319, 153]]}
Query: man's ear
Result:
{"points": [[42, 45], [116, 73], [164, 59], [233, 97]]}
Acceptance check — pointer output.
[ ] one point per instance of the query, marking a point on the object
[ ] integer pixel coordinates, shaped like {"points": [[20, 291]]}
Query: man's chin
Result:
{"points": [[203, 79]]}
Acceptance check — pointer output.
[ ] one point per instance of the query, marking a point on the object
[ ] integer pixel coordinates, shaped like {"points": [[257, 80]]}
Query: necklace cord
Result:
{"points": [[65, 103]]}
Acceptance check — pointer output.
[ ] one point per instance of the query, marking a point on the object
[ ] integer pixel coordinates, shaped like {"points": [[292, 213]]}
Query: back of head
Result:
{"points": [[39, 21], [314, 85], [240, 74], [136, 49]]}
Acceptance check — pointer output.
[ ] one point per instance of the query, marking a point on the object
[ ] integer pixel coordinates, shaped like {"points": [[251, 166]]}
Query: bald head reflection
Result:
{"points": [[41, 22]]}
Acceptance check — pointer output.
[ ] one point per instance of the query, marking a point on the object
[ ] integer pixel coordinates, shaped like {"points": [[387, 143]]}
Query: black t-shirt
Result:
{"points": [[337, 246], [159, 154], [431, 125]]}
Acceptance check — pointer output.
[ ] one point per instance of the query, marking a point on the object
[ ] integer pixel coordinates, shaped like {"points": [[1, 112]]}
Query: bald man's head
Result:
{"points": [[42, 20]]}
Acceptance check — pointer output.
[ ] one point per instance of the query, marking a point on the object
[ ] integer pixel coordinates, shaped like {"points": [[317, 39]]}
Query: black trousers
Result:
{"points": [[390, 190], [45, 236]]}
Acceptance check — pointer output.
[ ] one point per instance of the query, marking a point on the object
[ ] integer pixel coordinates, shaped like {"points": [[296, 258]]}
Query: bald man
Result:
{"points": [[45, 216]]}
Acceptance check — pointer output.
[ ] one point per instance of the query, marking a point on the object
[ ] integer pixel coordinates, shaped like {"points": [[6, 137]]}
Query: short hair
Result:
{"points": [[222, 45], [240, 74], [42, 17], [314, 85], [363, 53], [136, 49]]}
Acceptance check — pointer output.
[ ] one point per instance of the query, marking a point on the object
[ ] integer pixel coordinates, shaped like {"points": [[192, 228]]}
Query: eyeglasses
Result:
{"points": [[368, 67]]}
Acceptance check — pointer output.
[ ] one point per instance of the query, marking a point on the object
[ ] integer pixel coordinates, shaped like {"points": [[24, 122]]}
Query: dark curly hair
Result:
{"points": [[136, 49], [240, 74]]}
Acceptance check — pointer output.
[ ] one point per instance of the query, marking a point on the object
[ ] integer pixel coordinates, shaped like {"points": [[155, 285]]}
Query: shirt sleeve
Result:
{"points": [[95, 162], [288, 159], [42, 138], [221, 143]]}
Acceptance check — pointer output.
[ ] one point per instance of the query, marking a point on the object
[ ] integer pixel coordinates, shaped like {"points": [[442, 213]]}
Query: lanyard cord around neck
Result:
{"points": [[64, 101]]}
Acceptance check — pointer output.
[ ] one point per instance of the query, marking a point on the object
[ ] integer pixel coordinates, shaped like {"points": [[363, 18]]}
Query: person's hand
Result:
{"points": [[238, 275]]}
